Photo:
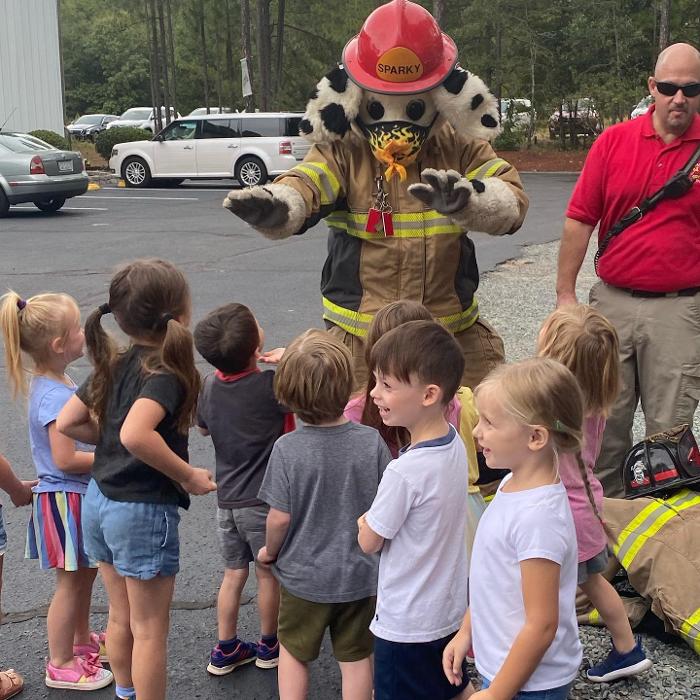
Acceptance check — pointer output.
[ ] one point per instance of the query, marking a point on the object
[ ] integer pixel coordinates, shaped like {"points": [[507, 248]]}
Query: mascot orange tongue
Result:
{"points": [[391, 154]]}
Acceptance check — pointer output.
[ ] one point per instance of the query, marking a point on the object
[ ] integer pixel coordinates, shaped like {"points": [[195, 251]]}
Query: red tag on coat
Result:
{"points": [[373, 217], [388, 222]]}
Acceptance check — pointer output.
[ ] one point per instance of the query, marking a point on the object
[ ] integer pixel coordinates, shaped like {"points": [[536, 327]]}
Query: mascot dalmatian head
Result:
{"points": [[397, 75]]}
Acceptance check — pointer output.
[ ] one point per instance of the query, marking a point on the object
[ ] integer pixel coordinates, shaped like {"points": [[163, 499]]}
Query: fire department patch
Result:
{"points": [[695, 173]]}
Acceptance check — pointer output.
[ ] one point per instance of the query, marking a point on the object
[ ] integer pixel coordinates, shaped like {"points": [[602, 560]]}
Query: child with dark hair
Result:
{"points": [[238, 409], [319, 478], [417, 520], [137, 407]]}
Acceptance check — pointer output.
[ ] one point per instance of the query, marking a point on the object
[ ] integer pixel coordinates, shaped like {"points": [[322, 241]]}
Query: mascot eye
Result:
{"points": [[415, 110], [375, 110]]}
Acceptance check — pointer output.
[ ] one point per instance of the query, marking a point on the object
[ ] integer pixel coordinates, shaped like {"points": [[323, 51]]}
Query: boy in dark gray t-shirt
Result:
{"points": [[318, 481], [238, 409]]}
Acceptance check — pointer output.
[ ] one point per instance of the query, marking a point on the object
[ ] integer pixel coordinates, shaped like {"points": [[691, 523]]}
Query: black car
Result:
{"points": [[89, 125]]}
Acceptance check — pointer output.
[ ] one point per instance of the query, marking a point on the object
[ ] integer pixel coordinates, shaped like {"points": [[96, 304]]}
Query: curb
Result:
{"points": [[103, 177]]}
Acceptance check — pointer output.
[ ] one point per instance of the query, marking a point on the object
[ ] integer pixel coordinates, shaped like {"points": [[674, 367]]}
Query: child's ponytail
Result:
{"points": [[11, 306], [177, 357], [591, 498], [102, 352]]}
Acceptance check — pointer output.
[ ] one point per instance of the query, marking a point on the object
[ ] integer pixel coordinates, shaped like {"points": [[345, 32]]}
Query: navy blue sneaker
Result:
{"points": [[268, 657], [618, 665], [221, 663]]}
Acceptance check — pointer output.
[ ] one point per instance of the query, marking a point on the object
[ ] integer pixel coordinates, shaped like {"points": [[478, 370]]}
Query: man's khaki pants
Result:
{"points": [[481, 346], [660, 365]]}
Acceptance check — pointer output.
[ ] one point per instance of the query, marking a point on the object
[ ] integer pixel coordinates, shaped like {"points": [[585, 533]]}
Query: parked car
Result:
{"points": [[642, 107], [141, 118], [515, 111], [32, 170], [89, 125], [212, 110], [247, 147], [582, 112]]}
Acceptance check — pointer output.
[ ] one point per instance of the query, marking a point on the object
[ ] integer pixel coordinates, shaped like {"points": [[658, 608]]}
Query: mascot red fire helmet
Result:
{"points": [[400, 50]]}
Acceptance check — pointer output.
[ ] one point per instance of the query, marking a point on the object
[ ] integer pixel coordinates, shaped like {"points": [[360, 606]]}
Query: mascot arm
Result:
{"points": [[296, 200]]}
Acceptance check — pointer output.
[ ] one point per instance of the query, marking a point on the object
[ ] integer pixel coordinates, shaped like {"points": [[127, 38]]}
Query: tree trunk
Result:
{"points": [[164, 62], [231, 99], [439, 11], [264, 52], [205, 59], [156, 92], [279, 48], [249, 101], [664, 19], [171, 49]]}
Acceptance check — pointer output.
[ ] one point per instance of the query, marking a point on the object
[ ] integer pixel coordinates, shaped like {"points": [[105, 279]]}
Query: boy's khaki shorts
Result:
{"points": [[302, 624]]}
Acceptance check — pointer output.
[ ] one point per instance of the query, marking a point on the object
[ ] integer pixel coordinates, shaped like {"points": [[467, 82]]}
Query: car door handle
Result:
{"points": [[187, 148], [232, 145]]}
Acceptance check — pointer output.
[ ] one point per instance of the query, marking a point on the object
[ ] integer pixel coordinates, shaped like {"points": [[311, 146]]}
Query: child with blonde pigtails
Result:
{"points": [[583, 340], [46, 329], [137, 407]]}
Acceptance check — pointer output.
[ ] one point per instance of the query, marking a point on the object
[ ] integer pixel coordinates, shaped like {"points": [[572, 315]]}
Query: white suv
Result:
{"points": [[141, 118], [248, 147]]}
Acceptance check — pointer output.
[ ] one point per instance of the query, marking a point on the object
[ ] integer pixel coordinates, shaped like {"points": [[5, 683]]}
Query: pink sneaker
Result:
{"points": [[84, 675], [96, 646]]}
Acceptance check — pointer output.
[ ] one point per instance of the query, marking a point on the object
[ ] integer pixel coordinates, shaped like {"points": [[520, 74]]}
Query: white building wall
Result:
{"points": [[30, 66]]}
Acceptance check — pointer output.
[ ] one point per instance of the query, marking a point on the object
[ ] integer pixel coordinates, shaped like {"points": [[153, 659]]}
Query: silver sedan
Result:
{"points": [[31, 170]]}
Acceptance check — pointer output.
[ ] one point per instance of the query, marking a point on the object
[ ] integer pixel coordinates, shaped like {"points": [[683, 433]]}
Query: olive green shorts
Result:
{"points": [[302, 624]]}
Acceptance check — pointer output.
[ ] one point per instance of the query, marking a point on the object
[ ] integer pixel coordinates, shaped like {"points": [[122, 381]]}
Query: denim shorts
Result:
{"points": [[140, 540], [560, 693], [3, 535]]}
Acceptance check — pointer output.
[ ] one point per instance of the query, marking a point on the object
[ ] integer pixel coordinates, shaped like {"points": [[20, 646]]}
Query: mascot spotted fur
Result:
{"points": [[401, 169]]}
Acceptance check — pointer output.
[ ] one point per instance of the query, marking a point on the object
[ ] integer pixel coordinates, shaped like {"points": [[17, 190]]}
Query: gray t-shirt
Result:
{"points": [[325, 478]]}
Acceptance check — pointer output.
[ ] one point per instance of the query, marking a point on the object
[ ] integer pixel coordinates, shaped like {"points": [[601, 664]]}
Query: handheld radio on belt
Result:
{"points": [[673, 188]]}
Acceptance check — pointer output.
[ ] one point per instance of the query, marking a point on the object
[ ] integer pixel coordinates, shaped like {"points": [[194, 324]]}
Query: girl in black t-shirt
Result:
{"points": [[137, 407]]}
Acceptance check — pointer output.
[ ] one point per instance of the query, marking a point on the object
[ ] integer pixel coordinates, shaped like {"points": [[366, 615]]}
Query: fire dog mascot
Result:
{"points": [[401, 169]]}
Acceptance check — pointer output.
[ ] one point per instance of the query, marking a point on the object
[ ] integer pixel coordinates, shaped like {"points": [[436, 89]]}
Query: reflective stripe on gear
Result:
{"points": [[690, 631], [408, 225], [357, 323], [488, 169], [323, 178], [649, 521]]}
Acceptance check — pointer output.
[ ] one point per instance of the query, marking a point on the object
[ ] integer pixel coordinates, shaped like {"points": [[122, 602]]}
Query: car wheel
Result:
{"points": [[4, 204], [251, 171], [136, 172], [50, 204]]}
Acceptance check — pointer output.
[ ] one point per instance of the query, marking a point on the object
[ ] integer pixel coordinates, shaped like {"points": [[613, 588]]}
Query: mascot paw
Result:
{"points": [[257, 206], [446, 191]]}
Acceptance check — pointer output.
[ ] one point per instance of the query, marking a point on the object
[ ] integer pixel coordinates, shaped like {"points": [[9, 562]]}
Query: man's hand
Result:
{"points": [[258, 206], [22, 496], [446, 191], [264, 559], [200, 482]]}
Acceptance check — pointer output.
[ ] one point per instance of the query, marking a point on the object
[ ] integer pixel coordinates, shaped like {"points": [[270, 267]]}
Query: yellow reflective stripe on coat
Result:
{"points": [[649, 521], [321, 176], [594, 617], [406, 225], [690, 631], [357, 323], [488, 169]]}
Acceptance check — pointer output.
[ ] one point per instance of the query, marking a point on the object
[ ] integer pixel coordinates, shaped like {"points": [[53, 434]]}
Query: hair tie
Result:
{"points": [[104, 309], [560, 427], [21, 303], [163, 321]]}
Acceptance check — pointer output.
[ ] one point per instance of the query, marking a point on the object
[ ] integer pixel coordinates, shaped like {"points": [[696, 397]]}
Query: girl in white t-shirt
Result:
{"points": [[522, 615]]}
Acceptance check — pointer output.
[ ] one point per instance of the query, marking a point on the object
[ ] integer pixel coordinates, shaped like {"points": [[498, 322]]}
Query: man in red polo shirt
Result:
{"points": [[649, 284]]}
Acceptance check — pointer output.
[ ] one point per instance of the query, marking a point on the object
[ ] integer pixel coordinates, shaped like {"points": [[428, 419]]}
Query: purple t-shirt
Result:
{"points": [[590, 534], [46, 399]]}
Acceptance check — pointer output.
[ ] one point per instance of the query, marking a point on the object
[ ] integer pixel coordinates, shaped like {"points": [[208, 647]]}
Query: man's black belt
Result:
{"points": [[688, 292]]}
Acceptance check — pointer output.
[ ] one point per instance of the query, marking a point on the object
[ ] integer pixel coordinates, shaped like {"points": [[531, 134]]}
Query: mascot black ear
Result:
{"points": [[465, 101], [332, 108]]}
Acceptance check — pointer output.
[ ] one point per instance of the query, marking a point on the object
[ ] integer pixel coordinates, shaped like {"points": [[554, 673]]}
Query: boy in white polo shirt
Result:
{"points": [[418, 517]]}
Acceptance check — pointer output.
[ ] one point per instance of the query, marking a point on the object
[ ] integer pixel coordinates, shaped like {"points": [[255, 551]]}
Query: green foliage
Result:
{"points": [[109, 138], [51, 137]]}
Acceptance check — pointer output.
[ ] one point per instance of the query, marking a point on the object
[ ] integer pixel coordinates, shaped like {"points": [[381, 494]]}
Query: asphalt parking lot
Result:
{"points": [[75, 250]]}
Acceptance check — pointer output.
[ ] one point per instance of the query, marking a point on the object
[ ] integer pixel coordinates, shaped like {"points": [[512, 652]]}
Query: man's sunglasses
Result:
{"points": [[670, 89]]}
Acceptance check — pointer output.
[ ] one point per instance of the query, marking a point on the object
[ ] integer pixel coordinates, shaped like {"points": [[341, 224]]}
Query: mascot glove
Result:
{"points": [[489, 205], [446, 191], [276, 211]]}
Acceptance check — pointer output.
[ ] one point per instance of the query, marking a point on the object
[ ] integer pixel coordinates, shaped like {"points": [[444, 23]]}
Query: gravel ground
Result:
{"points": [[516, 298]]}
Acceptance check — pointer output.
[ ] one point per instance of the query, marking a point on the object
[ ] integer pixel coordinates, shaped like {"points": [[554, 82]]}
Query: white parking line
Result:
{"points": [[168, 199], [170, 189]]}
